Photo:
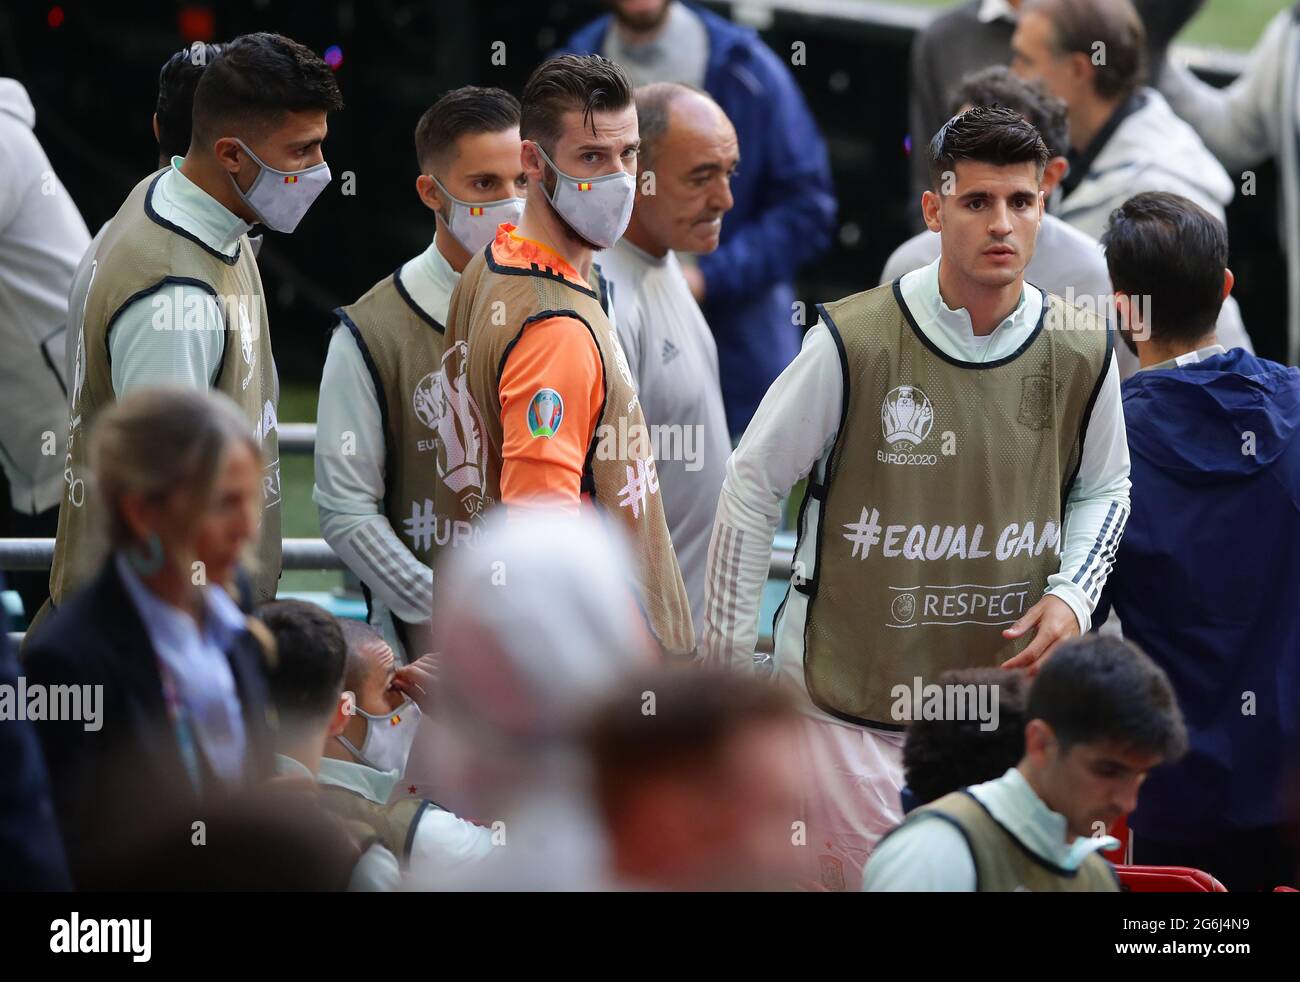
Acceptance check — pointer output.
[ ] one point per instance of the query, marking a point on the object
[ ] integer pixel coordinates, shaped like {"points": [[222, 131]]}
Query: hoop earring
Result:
{"points": [[150, 562]]}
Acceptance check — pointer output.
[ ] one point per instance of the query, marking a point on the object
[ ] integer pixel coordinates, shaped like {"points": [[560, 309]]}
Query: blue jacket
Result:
{"points": [[784, 210], [31, 855], [1207, 582]]}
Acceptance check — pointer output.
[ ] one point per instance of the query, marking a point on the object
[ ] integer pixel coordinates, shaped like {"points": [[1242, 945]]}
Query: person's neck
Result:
{"points": [[987, 306], [215, 181], [632, 36], [354, 733], [541, 224], [456, 254], [1153, 352], [639, 236], [1036, 786], [175, 588], [1087, 117], [306, 751]]}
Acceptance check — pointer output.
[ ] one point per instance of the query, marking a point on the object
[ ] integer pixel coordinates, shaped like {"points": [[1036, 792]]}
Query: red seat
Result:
{"points": [[1168, 879]]}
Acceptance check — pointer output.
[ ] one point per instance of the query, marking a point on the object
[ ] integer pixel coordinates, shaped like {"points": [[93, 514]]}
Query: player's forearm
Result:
{"points": [[371, 549]]}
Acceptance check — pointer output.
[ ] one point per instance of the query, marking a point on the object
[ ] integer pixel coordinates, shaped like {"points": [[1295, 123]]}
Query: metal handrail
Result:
{"points": [[298, 554]]}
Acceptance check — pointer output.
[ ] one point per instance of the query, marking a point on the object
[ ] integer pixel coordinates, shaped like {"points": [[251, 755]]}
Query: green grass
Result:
{"points": [[1222, 23]]}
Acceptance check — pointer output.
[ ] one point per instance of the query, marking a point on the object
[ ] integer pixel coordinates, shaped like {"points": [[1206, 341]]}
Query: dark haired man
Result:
{"points": [[687, 159], [171, 122], [784, 200], [381, 394], [315, 708], [1102, 716], [968, 480], [1124, 137], [542, 406], [175, 295], [1216, 473], [1066, 261]]}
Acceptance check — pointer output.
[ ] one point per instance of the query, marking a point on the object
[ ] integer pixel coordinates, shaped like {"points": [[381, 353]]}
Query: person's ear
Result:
{"points": [[1053, 174], [343, 713], [427, 189], [229, 154], [1038, 739], [531, 161], [1228, 282], [1082, 71], [930, 204], [157, 134]]}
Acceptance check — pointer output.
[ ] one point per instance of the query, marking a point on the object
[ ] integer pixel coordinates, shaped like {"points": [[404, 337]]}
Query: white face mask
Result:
{"points": [[280, 198], [388, 738], [598, 208], [474, 224]]}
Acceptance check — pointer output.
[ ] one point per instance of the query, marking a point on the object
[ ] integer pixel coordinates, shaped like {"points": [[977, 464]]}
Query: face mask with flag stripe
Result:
{"points": [[474, 224]]}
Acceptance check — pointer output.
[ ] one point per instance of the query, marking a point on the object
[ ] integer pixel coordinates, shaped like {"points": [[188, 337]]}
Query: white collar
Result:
{"points": [[179, 200], [1191, 357], [369, 782], [952, 331], [995, 10], [1015, 805], [430, 281]]}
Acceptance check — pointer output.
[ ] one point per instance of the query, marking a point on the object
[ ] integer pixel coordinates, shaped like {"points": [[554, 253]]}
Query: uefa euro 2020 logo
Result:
{"points": [[906, 415]]}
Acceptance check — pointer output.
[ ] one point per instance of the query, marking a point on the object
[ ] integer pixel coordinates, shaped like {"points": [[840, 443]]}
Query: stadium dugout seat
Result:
{"points": [[1167, 879]]}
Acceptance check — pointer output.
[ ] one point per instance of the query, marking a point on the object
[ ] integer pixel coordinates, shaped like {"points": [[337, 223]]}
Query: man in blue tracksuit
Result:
{"points": [[1207, 578], [785, 204]]}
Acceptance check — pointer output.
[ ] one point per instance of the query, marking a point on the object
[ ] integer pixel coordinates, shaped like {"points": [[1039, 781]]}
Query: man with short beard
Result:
{"points": [[541, 381], [968, 484], [688, 156]]}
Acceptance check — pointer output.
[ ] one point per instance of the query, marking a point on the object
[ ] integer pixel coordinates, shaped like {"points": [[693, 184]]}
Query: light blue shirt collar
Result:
{"points": [[951, 330], [1015, 805], [373, 785], [180, 201], [430, 281], [170, 628], [1190, 358]]}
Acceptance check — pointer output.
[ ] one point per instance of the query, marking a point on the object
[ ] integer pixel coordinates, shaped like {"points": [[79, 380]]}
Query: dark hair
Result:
{"points": [[588, 83], [307, 678], [988, 134], [1165, 247], [997, 86], [1102, 688], [943, 755], [256, 79], [696, 713], [176, 84], [468, 110], [1079, 26]]}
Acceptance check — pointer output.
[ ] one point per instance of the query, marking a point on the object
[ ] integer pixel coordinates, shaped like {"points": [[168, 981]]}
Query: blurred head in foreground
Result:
{"points": [[535, 628], [697, 778]]}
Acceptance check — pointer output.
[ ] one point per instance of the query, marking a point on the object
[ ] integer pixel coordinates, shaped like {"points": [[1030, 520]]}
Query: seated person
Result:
{"points": [[314, 708], [1101, 716], [383, 722], [945, 755]]}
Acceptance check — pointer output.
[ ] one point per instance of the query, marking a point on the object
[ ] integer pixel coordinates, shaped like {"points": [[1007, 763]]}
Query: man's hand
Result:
{"points": [[417, 680], [1056, 623]]}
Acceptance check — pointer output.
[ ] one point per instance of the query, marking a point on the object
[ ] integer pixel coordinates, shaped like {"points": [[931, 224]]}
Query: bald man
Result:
{"points": [[688, 154]]}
